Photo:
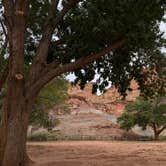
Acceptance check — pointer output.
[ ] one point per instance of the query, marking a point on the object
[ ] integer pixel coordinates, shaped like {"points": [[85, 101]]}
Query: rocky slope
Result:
{"points": [[109, 102], [94, 116]]}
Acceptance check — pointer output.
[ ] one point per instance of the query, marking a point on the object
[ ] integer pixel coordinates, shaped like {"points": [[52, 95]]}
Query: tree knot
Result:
{"points": [[19, 12], [19, 76]]}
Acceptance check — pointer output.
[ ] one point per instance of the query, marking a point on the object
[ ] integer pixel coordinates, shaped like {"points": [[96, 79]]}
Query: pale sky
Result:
{"points": [[163, 28]]}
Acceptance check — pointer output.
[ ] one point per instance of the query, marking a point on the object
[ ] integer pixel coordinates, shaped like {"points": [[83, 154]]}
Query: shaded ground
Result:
{"points": [[98, 153]]}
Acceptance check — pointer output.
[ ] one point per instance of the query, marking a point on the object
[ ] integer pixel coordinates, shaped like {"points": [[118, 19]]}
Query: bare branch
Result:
{"points": [[83, 61]]}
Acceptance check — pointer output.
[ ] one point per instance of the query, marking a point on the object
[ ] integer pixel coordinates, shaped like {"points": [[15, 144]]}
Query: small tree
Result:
{"points": [[54, 93], [145, 113]]}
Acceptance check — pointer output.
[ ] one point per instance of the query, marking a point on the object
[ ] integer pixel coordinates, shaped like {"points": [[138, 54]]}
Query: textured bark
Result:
{"points": [[13, 132], [14, 151], [15, 114], [3, 131]]}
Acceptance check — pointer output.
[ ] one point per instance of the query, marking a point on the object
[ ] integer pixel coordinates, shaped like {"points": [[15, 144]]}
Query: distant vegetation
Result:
{"points": [[54, 93], [145, 113]]}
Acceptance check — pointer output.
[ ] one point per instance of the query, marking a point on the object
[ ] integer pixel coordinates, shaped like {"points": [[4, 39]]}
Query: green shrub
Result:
{"points": [[43, 136]]}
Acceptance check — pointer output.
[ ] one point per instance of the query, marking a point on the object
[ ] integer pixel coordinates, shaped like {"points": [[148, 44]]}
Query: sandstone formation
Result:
{"points": [[109, 102]]}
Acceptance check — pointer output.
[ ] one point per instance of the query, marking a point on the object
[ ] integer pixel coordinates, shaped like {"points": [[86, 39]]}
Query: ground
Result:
{"points": [[98, 153]]}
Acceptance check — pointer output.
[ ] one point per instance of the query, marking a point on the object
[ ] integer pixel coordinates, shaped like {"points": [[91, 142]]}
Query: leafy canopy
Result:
{"points": [[96, 24], [145, 113], [92, 25]]}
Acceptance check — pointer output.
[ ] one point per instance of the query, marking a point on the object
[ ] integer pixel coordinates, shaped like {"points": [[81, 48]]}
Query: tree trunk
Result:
{"points": [[156, 136], [13, 132], [3, 133], [15, 107]]}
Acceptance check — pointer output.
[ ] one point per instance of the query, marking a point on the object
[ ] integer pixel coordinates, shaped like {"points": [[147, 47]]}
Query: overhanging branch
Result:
{"points": [[43, 48], [83, 61]]}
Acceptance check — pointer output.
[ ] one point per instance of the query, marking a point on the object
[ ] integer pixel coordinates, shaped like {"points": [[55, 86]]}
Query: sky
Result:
{"points": [[163, 29]]}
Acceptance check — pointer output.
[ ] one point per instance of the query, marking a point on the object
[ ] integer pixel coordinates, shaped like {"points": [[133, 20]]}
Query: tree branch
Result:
{"points": [[162, 129], [3, 28], [9, 16], [49, 67], [83, 61], [5, 33], [9, 10], [42, 51], [56, 43], [3, 77]]}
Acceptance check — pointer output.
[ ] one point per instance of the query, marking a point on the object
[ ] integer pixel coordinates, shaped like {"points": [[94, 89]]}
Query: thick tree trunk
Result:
{"points": [[3, 134], [15, 107], [13, 133]]}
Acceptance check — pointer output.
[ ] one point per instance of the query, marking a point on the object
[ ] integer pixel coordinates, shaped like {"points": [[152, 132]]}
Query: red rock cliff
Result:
{"points": [[110, 101]]}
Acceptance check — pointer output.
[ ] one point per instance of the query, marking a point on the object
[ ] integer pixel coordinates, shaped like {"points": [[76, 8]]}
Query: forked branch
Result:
{"points": [[81, 62]]}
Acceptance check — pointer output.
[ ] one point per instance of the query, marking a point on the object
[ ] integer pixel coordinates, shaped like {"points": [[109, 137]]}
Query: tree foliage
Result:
{"points": [[145, 113], [137, 22], [41, 40], [55, 93]]}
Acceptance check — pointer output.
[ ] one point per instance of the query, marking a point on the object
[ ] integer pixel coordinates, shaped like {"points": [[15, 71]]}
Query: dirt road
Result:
{"points": [[98, 153]]}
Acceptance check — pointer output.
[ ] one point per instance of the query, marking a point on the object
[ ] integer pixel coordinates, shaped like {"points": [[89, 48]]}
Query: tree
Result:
{"points": [[145, 113], [152, 79], [150, 108], [55, 93], [42, 40]]}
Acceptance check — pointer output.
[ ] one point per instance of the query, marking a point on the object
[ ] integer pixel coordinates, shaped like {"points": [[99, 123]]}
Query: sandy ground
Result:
{"points": [[98, 153]]}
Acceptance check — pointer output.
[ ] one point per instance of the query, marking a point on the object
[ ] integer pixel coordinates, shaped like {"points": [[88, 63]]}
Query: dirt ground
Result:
{"points": [[98, 153]]}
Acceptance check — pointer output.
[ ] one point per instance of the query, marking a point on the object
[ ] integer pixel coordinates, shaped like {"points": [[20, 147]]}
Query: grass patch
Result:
{"points": [[56, 136], [42, 136]]}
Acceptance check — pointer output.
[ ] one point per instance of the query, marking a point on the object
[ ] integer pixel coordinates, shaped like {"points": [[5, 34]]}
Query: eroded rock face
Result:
{"points": [[92, 116], [109, 102]]}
